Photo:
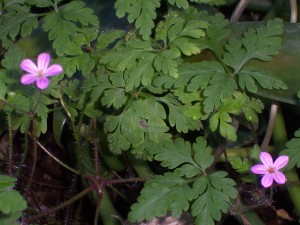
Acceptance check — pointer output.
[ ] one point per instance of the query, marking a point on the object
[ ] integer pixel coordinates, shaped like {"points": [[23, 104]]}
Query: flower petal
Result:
{"points": [[28, 66], [28, 78], [279, 177], [259, 169], [43, 61], [53, 70], [267, 180], [281, 162], [42, 83], [266, 159]]}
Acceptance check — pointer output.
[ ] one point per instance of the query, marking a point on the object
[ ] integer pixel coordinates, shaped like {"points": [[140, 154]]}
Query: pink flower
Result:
{"points": [[39, 73], [270, 170]]}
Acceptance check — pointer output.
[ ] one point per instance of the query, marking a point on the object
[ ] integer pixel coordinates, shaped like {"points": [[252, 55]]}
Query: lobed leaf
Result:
{"points": [[249, 76], [239, 164], [293, 151], [222, 119], [176, 115], [261, 43], [140, 12], [180, 3], [213, 194], [64, 29], [162, 194]]}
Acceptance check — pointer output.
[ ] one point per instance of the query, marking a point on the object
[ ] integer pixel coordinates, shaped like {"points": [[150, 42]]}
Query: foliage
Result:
{"points": [[292, 150], [189, 186], [11, 202], [175, 86]]}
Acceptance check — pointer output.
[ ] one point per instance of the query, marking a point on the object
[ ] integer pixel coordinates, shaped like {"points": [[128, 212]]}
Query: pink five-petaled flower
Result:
{"points": [[39, 73], [270, 170]]}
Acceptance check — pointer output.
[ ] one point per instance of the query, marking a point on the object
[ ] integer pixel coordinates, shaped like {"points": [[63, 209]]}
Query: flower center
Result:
{"points": [[271, 170], [40, 73]]}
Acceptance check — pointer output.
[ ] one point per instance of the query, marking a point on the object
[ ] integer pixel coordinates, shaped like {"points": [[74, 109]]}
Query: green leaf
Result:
{"points": [[60, 32], [176, 115], [156, 126], [17, 19], [179, 3], [113, 97], [140, 12], [64, 30], [77, 12], [197, 75], [251, 108], [165, 62], [196, 112], [107, 38], [203, 154], [6, 182], [240, 165], [188, 161], [160, 195], [248, 77], [109, 86], [173, 154], [11, 201], [260, 43], [220, 87], [142, 73], [180, 36], [293, 151], [217, 31], [222, 119], [213, 194], [10, 219], [122, 60], [116, 140], [13, 58], [135, 124]]}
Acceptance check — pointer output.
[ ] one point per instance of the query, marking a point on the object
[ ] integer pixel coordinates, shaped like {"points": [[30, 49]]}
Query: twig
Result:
{"points": [[294, 13], [269, 131], [239, 10]]}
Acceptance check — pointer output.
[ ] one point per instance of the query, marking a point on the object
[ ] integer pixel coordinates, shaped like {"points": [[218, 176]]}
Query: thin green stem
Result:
{"points": [[10, 146], [34, 153], [37, 103], [98, 206], [96, 148], [24, 154], [62, 205], [76, 135], [57, 160]]}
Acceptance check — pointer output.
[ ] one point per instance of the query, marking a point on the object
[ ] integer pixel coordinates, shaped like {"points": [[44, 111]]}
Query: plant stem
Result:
{"points": [[294, 12], [269, 131], [10, 146], [76, 135], [239, 10], [62, 205], [24, 154], [56, 159], [34, 153]]}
